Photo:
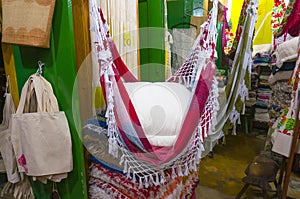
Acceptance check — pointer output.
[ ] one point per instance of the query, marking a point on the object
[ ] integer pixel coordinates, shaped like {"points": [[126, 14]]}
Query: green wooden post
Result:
{"points": [[60, 70], [152, 56]]}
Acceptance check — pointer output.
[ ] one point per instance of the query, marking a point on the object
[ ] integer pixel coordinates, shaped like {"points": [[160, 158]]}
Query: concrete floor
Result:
{"points": [[221, 176]]}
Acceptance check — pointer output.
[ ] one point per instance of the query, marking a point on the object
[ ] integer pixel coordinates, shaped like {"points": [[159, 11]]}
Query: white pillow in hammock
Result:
{"points": [[161, 109]]}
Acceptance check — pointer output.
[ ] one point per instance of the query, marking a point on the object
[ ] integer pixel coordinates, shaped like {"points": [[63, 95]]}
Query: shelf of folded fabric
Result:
{"points": [[262, 63], [106, 178], [281, 89]]}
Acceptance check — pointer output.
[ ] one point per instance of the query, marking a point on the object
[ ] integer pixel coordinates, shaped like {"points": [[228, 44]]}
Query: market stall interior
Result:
{"points": [[149, 99]]}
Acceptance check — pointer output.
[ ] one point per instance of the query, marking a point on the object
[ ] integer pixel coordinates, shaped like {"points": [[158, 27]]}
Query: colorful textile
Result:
{"points": [[278, 11], [286, 66], [233, 96], [240, 28], [125, 132], [227, 35], [290, 22], [118, 185]]}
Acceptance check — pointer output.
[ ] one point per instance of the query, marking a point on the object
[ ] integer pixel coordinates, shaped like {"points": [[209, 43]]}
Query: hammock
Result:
{"points": [[236, 88], [142, 161]]}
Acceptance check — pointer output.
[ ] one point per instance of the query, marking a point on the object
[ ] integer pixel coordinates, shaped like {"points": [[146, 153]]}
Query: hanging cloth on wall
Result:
{"points": [[27, 22], [124, 29], [239, 29], [183, 40], [289, 22]]}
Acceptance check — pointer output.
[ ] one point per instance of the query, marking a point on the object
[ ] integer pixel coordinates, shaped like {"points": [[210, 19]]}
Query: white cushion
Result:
{"points": [[161, 108], [286, 52]]}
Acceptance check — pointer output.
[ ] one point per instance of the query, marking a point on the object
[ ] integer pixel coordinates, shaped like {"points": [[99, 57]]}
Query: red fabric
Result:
{"points": [[293, 23], [123, 71]]}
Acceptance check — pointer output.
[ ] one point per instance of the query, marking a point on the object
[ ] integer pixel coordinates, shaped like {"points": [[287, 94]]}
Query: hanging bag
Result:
{"points": [[27, 22], [283, 134], [6, 147], [40, 132]]}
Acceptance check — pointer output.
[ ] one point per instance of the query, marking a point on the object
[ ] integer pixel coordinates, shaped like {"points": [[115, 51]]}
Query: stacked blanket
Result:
{"points": [[107, 179], [106, 183], [285, 54], [262, 59], [263, 62]]}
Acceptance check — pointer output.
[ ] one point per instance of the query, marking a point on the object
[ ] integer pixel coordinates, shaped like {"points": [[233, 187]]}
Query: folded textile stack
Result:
{"points": [[106, 183], [262, 59], [263, 97], [262, 115], [285, 55], [280, 99], [281, 95], [107, 179], [282, 73], [262, 62]]}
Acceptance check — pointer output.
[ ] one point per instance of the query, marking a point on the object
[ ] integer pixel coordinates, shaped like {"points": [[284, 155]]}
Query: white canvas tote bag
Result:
{"points": [[41, 140], [6, 147]]}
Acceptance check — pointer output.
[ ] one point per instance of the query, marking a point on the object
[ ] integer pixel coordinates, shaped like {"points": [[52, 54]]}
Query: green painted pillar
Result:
{"points": [[152, 55], [60, 71]]}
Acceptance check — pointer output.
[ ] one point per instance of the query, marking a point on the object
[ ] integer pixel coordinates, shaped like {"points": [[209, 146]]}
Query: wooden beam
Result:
{"points": [[80, 9], [83, 59], [9, 67], [292, 154]]}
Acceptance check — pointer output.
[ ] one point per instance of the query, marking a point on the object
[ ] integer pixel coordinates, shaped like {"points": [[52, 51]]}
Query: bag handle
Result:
{"points": [[23, 97], [49, 100], [46, 101]]}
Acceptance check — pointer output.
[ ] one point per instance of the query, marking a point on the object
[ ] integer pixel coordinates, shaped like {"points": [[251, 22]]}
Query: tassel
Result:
{"points": [[151, 181], [198, 156], [200, 131], [133, 178], [157, 179], [162, 177], [180, 171], [234, 129], [115, 148], [202, 149], [140, 183], [191, 165], [186, 172], [146, 182], [128, 174], [195, 166], [125, 167], [173, 173], [122, 159], [110, 145]]}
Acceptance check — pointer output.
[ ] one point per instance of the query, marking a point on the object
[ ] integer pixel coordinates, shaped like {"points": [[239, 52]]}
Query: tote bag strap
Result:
{"points": [[46, 100], [23, 97], [49, 100]]}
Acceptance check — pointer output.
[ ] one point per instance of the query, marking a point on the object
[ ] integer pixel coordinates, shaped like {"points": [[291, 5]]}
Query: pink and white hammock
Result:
{"points": [[141, 160]]}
